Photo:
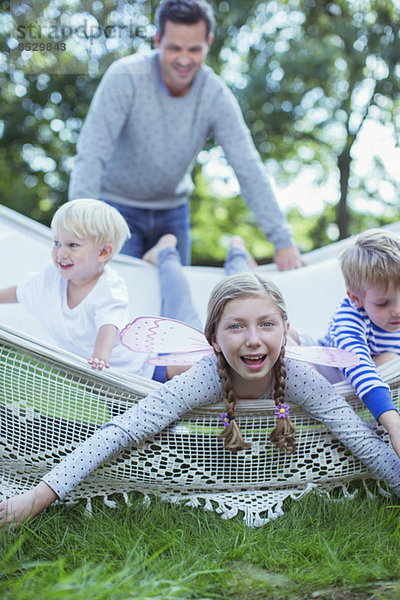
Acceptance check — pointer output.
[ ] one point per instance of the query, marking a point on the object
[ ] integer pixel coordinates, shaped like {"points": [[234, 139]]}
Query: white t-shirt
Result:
{"points": [[44, 294]]}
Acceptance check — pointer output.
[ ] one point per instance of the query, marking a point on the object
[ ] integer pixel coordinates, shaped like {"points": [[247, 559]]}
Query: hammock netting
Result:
{"points": [[50, 401]]}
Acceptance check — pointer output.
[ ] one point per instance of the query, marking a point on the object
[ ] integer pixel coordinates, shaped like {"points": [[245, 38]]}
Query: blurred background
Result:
{"points": [[318, 83]]}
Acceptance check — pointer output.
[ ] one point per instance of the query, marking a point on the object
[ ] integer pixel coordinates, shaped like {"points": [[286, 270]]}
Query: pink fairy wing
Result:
{"points": [[333, 357], [159, 334], [179, 358], [185, 345], [323, 355]]}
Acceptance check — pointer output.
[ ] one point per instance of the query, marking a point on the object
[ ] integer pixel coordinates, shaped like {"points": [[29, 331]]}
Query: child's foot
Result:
{"points": [[166, 241], [238, 242]]}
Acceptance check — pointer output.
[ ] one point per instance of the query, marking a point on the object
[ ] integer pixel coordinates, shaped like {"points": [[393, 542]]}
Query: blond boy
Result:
{"points": [[368, 320], [79, 299]]}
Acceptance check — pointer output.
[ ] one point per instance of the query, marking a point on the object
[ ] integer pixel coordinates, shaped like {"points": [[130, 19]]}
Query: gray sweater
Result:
{"points": [[201, 386], [138, 144]]}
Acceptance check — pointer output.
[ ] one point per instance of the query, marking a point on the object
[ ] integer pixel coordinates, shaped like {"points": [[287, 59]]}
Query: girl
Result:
{"points": [[247, 326]]}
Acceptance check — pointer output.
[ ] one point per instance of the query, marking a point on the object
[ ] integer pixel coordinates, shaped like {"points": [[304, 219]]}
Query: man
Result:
{"points": [[149, 118]]}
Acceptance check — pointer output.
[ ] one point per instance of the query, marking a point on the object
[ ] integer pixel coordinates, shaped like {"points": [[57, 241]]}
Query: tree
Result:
{"points": [[313, 74], [45, 95], [309, 75]]}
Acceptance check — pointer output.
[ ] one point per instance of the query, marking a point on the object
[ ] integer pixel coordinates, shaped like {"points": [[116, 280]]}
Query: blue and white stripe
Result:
{"points": [[351, 329]]}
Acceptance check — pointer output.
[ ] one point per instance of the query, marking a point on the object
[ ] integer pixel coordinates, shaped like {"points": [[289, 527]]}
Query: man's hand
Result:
{"points": [[288, 258]]}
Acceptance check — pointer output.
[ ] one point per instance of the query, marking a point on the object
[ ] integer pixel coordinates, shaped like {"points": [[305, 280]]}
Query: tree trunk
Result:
{"points": [[342, 213]]}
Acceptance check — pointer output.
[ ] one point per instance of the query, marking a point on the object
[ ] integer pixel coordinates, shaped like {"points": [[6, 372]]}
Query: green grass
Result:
{"points": [[322, 549]]}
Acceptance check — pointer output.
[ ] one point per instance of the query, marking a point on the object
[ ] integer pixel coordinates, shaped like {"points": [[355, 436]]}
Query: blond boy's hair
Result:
{"points": [[86, 216], [372, 259]]}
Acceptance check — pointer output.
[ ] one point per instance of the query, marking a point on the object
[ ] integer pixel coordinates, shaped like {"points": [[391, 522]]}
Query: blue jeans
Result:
{"points": [[176, 300], [148, 225]]}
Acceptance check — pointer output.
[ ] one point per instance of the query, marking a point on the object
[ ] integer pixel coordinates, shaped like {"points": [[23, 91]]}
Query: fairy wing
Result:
{"points": [[179, 358], [186, 345], [333, 357], [159, 334], [323, 355]]}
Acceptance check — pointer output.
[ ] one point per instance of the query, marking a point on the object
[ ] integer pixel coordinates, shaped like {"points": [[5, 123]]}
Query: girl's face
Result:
{"points": [[250, 335]]}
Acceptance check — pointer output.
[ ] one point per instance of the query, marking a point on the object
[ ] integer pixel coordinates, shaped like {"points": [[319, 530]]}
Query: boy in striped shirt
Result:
{"points": [[368, 321]]}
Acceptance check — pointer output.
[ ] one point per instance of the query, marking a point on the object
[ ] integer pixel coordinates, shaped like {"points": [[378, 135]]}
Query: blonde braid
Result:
{"points": [[283, 433], [231, 435]]}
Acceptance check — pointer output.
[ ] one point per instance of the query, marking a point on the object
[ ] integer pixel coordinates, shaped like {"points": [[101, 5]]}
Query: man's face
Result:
{"points": [[183, 49]]}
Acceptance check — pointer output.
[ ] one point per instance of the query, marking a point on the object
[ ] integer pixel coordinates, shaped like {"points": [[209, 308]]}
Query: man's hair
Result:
{"points": [[86, 216], [186, 12], [372, 259]]}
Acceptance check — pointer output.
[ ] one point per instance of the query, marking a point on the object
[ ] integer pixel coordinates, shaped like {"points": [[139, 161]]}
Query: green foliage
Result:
{"points": [[216, 219], [315, 74], [40, 132], [320, 230], [309, 76]]}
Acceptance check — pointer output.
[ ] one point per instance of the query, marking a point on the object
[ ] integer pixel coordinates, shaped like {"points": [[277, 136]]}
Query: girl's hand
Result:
{"points": [[98, 363], [15, 510]]}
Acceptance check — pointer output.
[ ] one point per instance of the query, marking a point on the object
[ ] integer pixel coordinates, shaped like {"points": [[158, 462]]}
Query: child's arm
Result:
{"points": [[309, 389], [8, 295], [390, 419], [103, 347], [144, 419], [349, 330]]}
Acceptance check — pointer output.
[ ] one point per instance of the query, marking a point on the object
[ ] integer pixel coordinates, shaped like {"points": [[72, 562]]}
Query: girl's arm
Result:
{"points": [[197, 387], [103, 347], [318, 397], [8, 295]]}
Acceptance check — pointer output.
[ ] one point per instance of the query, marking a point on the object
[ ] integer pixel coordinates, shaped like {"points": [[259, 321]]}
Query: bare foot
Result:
{"points": [[166, 241], [16, 510], [238, 242]]}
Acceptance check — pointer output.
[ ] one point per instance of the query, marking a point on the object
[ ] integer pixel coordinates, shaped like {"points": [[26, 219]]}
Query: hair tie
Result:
{"points": [[225, 419], [283, 411]]}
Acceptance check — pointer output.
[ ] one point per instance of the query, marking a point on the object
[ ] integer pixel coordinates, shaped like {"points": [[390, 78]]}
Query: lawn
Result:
{"points": [[341, 549]]}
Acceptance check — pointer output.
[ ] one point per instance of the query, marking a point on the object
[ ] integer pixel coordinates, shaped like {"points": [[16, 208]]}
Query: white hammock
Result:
{"points": [[50, 401]]}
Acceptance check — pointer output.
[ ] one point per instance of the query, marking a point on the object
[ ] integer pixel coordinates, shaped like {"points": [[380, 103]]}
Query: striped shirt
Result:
{"points": [[351, 329]]}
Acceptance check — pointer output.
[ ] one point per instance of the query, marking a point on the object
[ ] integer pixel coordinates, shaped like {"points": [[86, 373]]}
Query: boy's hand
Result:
{"points": [[98, 363], [390, 419], [103, 347]]}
